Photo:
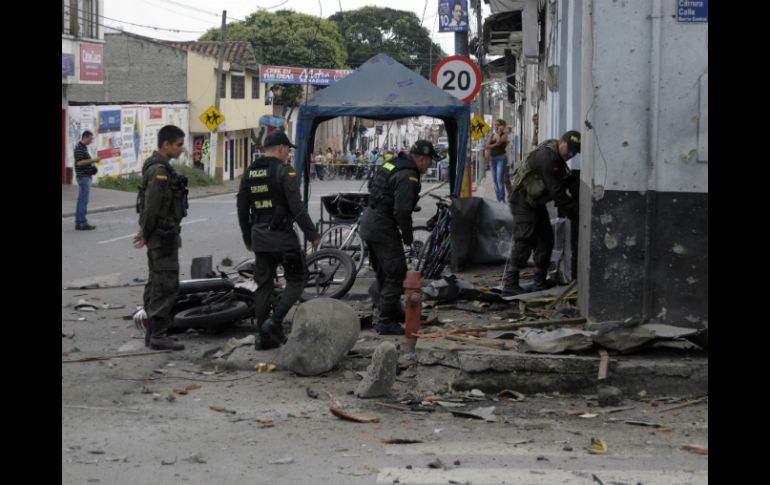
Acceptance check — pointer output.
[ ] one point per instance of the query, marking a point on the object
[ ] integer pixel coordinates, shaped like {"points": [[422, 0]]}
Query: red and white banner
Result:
{"points": [[91, 62], [300, 75]]}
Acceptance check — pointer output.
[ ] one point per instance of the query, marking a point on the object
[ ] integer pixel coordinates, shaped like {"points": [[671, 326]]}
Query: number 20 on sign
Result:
{"points": [[458, 76]]}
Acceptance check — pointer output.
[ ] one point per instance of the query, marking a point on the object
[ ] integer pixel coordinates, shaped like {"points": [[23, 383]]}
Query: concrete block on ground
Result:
{"points": [[381, 373], [610, 396], [323, 332]]}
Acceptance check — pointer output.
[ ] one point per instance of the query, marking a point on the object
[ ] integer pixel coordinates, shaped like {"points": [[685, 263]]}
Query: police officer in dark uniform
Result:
{"points": [[161, 204], [386, 226], [543, 177], [268, 205]]}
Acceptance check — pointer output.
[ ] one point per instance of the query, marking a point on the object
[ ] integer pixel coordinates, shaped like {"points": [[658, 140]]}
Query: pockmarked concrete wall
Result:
{"points": [[644, 161]]}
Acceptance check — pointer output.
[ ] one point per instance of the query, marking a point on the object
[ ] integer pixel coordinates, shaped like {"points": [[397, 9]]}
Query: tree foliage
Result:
{"points": [[287, 38], [369, 31]]}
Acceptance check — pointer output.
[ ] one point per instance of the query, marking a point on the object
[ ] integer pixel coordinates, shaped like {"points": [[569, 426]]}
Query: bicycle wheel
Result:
{"points": [[420, 236], [345, 237], [439, 262], [331, 274], [427, 251]]}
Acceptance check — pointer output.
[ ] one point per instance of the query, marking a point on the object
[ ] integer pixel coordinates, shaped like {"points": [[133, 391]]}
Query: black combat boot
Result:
{"points": [[386, 326], [156, 338], [262, 341], [273, 327], [511, 284], [541, 281], [388, 319], [164, 342]]}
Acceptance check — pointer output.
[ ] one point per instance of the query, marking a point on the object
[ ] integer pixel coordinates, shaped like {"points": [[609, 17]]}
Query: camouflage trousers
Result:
{"points": [[386, 256], [160, 292]]}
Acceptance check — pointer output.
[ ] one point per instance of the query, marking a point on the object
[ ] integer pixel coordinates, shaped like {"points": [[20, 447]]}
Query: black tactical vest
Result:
{"points": [[264, 192], [380, 193]]}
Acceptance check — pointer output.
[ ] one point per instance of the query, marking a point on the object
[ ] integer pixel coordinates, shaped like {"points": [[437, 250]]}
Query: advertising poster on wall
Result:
{"points": [[108, 140], [129, 152], [124, 136], [453, 15], [152, 126]]}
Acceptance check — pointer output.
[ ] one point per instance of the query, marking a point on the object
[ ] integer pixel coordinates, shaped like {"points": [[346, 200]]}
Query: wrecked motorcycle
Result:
{"points": [[214, 304]]}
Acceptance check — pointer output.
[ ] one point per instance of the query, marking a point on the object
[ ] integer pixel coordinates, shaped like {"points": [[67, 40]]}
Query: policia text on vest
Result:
{"points": [[268, 205]]}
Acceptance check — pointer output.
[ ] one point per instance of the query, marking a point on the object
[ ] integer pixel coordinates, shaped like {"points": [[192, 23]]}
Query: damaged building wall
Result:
{"points": [[644, 177], [137, 69]]}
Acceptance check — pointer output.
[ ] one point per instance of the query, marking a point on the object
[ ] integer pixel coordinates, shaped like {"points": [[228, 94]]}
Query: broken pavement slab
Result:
{"points": [[381, 373], [495, 370]]}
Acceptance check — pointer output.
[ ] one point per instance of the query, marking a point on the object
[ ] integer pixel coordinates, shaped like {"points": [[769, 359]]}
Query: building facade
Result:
{"points": [[632, 77], [82, 57]]}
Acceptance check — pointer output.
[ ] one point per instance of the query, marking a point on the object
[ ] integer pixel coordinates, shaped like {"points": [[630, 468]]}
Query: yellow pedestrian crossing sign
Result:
{"points": [[479, 128], [212, 118]]}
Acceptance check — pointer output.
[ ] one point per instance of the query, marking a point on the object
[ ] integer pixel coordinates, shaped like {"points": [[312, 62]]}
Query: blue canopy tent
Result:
{"points": [[383, 89]]}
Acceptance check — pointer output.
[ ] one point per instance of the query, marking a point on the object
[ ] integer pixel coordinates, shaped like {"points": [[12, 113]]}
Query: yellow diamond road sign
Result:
{"points": [[212, 118], [479, 128]]}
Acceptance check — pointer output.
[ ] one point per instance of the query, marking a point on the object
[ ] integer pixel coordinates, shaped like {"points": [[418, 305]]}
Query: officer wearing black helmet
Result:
{"points": [[541, 178], [268, 205], [386, 226]]}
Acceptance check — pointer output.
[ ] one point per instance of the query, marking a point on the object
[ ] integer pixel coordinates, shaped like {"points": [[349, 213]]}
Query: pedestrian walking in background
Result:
{"points": [[497, 143]]}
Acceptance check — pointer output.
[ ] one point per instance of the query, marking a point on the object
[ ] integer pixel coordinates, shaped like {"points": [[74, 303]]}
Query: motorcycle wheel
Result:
{"points": [[210, 317]]}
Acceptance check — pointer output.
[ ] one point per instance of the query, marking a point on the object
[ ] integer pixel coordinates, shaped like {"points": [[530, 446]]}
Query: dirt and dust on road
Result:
{"points": [[135, 416]]}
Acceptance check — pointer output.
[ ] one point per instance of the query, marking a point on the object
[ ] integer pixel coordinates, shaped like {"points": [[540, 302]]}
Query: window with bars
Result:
{"points": [[254, 87], [223, 86], [80, 18], [237, 87]]}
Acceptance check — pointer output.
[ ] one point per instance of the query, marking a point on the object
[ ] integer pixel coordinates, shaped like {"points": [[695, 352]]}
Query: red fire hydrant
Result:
{"points": [[413, 298]]}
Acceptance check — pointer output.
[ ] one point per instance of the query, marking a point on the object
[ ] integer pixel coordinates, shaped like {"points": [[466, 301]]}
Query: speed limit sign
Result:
{"points": [[458, 76]]}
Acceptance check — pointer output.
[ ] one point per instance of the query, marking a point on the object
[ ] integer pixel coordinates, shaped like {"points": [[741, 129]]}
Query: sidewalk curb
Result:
{"points": [[494, 371], [129, 206]]}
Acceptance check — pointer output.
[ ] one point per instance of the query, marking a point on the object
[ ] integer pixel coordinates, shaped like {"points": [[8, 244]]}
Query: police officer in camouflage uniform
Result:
{"points": [[386, 226], [543, 177], [162, 203], [268, 205]]}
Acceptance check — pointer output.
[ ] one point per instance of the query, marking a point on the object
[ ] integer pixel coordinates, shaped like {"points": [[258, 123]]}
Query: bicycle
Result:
{"points": [[437, 249], [345, 235]]}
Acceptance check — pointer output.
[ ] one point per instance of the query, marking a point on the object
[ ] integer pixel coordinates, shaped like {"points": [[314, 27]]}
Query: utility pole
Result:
{"points": [[221, 58], [213, 153], [480, 55]]}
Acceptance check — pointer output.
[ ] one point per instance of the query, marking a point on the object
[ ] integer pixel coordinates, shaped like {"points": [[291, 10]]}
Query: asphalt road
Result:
{"points": [[118, 427], [210, 228]]}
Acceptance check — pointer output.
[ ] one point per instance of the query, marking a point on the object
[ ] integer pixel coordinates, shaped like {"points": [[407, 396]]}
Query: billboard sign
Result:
{"points": [[300, 75], [453, 15]]}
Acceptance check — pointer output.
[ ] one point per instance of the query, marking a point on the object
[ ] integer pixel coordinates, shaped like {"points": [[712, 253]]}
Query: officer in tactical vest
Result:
{"points": [[161, 204], [386, 226], [268, 205], [543, 177]]}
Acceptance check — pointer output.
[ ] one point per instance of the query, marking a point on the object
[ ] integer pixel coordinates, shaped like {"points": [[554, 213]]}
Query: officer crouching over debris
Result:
{"points": [[386, 226], [268, 205]]}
